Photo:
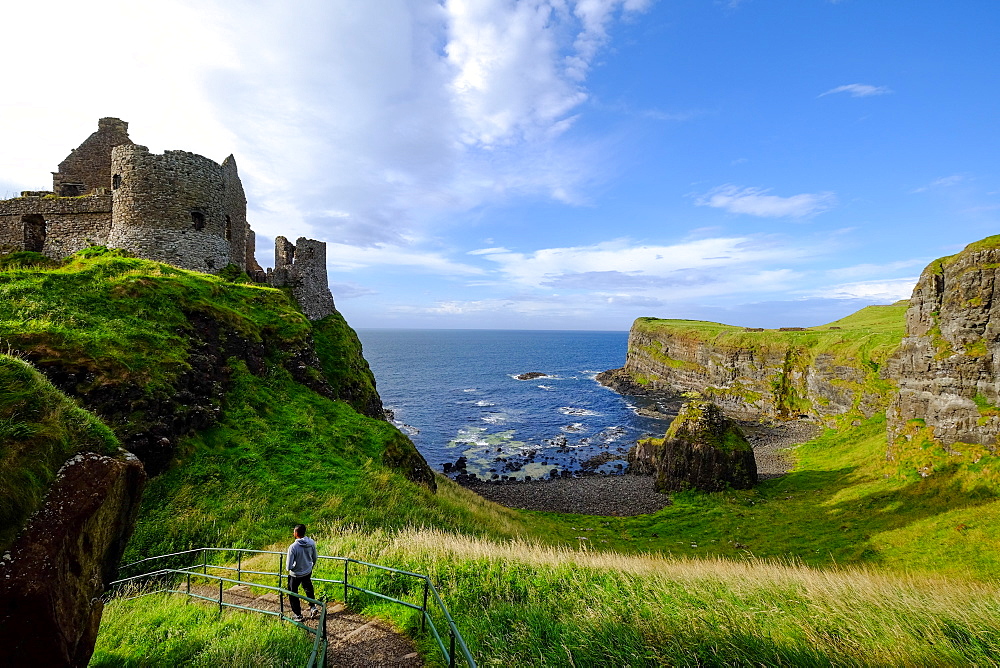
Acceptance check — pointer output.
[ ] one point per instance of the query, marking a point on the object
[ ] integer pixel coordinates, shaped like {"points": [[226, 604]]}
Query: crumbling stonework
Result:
{"points": [[88, 168], [302, 267], [56, 226], [170, 208], [179, 208]]}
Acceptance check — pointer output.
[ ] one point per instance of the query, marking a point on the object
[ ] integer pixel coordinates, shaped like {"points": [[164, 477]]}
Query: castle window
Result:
{"points": [[116, 181], [198, 218], [34, 232], [229, 228]]}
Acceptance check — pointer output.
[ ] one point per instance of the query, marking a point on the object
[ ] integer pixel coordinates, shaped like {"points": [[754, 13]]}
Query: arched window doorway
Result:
{"points": [[34, 232]]}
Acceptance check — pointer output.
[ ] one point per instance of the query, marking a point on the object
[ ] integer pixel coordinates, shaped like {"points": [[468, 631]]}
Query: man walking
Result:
{"points": [[301, 559]]}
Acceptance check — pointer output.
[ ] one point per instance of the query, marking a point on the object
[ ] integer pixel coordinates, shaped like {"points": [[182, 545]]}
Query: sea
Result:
{"points": [[457, 395]]}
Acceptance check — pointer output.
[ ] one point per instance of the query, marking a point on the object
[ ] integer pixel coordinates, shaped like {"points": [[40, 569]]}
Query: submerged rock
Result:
{"points": [[702, 449], [531, 375]]}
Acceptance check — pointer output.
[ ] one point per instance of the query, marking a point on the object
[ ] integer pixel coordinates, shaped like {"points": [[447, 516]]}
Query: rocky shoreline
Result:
{"points": [[626, 495]]}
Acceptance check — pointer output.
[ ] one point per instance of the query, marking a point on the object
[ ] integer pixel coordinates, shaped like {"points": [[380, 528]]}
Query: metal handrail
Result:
{"points": [[320, 632], [456, 642]]}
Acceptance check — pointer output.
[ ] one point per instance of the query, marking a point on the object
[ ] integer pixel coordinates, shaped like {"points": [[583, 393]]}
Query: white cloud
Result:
{"points": [[858, 90], [345, 257], [861, 270], [757, 202], [885, 291], [693, 264]]}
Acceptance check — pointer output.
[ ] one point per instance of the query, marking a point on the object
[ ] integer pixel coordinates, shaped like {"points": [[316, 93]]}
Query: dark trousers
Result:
{"points": [[293, 586]]}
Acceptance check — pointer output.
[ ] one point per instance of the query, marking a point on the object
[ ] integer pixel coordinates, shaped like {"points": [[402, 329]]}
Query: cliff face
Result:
{"points": [[948, 365], [819, 373]]}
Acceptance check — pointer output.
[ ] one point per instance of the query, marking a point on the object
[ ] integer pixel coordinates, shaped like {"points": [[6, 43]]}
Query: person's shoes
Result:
{"points": [[298, 618], [313, 612]]}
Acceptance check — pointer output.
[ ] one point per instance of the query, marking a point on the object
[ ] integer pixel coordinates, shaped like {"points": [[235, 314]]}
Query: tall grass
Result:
{"points": [[521, 603], [167, 630]]}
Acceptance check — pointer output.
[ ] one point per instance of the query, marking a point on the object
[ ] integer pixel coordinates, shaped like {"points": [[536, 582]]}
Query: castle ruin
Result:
{"points": [[179, 208]]}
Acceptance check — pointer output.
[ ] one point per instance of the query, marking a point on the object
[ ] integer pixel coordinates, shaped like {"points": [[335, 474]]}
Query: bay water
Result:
{"points": [[457, 395]]}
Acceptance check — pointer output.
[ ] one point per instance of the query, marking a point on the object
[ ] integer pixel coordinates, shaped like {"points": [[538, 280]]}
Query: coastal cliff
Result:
{"points": [[822, 373], [947, 365]]}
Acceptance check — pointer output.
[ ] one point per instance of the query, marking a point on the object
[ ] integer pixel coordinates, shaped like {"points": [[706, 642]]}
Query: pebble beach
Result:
{"points": [[625, 495]]}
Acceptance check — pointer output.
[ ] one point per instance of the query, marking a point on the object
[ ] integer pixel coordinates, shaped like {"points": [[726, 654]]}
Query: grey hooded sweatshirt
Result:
{"points": [[302, 556]]}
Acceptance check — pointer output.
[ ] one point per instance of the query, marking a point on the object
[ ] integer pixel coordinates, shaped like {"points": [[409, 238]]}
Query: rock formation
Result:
{"points": [[702, 449], [947, 365], [52, 577]]}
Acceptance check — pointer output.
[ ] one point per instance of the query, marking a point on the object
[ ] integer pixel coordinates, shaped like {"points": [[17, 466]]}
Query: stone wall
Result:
{"points": [[302, 267], [88, 167], [170, 208], [62, 225]]}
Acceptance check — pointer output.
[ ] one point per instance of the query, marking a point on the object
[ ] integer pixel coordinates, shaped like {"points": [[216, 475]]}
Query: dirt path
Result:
{"points": [[354, 641]]}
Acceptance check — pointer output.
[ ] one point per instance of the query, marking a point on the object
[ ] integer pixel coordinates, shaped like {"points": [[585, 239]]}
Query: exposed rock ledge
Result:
{"points": [[52, 578]]}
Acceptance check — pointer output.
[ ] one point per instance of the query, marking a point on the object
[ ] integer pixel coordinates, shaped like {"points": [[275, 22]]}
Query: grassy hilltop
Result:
{"points": [[269, 419]]}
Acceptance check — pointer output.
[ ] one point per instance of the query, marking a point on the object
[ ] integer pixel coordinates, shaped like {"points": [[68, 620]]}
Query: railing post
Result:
{"points": [[346, 562], [423, 617], [281, 597], [239, 567], [204, 562], [451, 654], [324, 617], [188, 599], [220, 598]]}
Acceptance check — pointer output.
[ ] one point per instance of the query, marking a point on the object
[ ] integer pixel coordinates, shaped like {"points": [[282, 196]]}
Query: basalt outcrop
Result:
{"points": [[948, 364], [702, 449]]}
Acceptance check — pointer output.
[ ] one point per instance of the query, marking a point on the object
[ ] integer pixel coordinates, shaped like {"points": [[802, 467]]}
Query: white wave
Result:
{"points": [[494, 418], [574, 428], [483, 402], [470, 389], [577, 412], [547, 387]]}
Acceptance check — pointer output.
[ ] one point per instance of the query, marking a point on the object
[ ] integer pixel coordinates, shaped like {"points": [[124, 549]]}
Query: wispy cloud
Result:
{"points": [[757, 202], [886, 291], [863, 270], [858, 90], [943, 182], [738, 263], [347, 257]]}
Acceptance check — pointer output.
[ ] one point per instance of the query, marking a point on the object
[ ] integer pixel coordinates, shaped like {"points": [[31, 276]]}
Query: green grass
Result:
{"points": [[166, 630]]}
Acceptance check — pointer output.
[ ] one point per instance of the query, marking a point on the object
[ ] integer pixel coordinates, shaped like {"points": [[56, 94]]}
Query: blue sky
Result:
{"points": [[552, 164]]}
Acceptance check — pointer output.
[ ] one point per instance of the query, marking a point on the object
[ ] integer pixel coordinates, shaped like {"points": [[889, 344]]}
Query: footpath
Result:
{"points": [[354, 641]]}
